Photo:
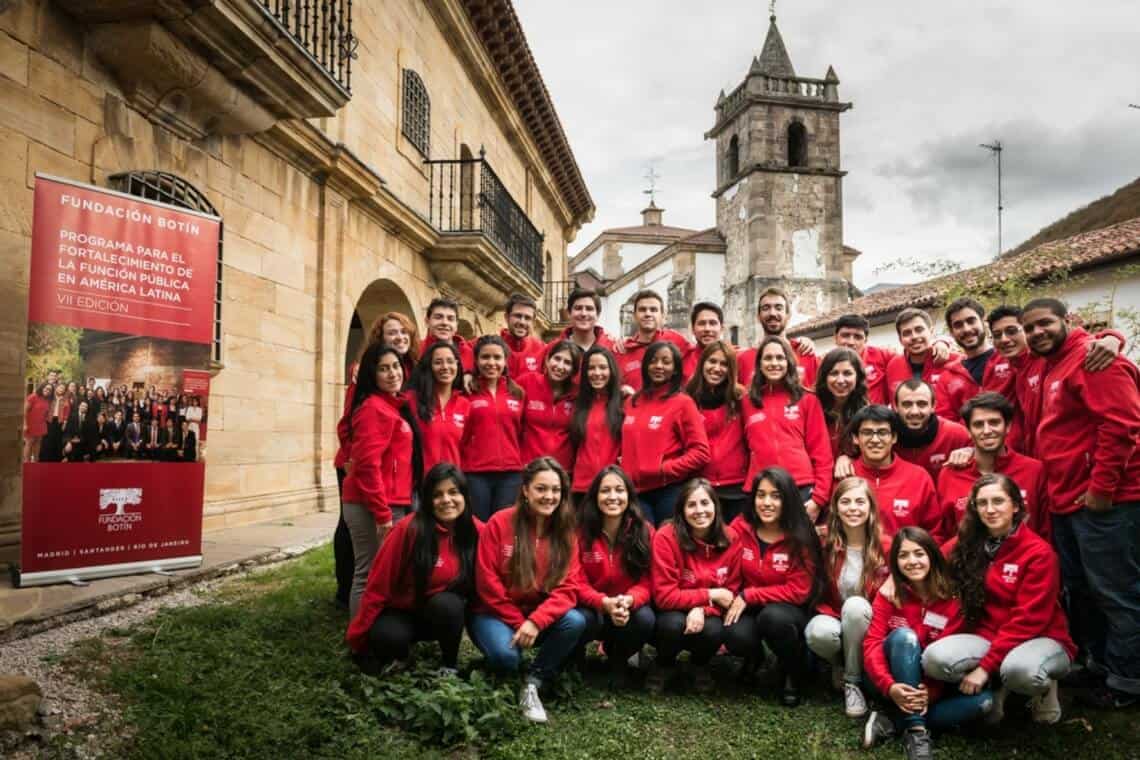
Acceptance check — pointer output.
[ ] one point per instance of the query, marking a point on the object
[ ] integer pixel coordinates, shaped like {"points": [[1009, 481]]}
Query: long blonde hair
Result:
{"points": [[873, 559]]}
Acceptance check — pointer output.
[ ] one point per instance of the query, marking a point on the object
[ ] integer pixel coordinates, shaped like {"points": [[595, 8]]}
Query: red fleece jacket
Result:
{"points": [[663, 440], [899, 371], [492, 434], [875, 361], [546, 424], [630, 362], [954, 485], [441, 436], [771, 572], [905, 494], [929, 622], [681, 580], [391, 584], [1023, 597], [514, 606], [729, 460], [1089, 428], [808, 365], [381, 446], [599, 449], [602, 574], [466, 351], [526, 353], [950, 436], [793, 436]]}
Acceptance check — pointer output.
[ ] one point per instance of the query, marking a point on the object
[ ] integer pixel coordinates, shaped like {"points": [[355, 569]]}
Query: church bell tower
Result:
{"points": [[779, 194]]}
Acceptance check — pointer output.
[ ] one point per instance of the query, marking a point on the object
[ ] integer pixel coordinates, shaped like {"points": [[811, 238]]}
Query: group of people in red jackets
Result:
{"points": [[919, 521]]}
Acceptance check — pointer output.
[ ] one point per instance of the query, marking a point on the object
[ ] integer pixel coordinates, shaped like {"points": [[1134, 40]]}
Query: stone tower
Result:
{"points": [[779, 194]]}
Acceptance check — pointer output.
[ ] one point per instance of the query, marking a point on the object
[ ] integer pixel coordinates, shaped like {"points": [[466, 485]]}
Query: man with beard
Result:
{"points": [[988, 417], [1088, 438], [904, 491], [526, 350], [1009, 340], [649, 313], [772, 313], [926, 439]]}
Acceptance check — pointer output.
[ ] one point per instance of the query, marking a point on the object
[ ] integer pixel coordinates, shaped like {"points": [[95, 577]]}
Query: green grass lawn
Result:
{"points": [[261, 672]]}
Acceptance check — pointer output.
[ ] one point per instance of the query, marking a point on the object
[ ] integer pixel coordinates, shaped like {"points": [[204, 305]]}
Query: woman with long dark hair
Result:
{"points": [[663, 439], [550, 398], [841, 387], [491, 444], [784, 426], [923, 611], [1009, 581], [782, 578], [437, 400], [696, 572], [714, 388], [383, 463], [854, 560], [595, 429], [36, 408], [423, 576], [58, 413], [614, 552], [527, 567]]}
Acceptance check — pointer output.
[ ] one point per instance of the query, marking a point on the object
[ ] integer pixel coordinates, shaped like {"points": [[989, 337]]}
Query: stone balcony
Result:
{"points": [[224, 66]]}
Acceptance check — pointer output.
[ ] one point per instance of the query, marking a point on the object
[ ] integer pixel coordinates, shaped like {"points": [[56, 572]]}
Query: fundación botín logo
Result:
{"points": [[120, 498]]}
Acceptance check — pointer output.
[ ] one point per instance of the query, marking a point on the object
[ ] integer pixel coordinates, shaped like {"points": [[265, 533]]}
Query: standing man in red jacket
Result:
{"points": [[443, 326], [649, 314], [1088, 439], [919, 357], [706, 321], [526, 350], [773, 311], [584, 331]]}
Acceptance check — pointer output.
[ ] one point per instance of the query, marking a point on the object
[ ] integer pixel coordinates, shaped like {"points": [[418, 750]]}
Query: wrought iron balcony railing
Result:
{"points": [[554, 294], [324, 29], [466, 196]]}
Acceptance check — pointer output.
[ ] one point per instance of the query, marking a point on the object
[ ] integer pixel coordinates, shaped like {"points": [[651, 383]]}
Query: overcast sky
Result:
{"points": [[635, 81]]}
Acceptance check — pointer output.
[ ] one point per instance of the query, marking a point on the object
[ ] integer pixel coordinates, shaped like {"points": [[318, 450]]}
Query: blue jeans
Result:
{"points": [[659, 503], [1100, 568], [904, 656], [492, 491], [555, 644]]}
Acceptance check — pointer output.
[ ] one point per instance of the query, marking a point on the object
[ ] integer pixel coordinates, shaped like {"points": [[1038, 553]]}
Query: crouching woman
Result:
{"points": [[527, 566], [422, 578]]}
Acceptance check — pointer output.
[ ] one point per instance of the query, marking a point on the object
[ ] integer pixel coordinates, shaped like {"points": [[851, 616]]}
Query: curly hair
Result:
{"points": [[969, 561]]}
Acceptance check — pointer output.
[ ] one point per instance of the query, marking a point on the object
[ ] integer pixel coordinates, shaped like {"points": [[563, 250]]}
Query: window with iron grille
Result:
{"points": [[175, 191], [417, 113]]}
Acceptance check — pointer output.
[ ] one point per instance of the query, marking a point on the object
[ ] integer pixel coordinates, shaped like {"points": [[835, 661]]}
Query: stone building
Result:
{"points": [[363, 158], [779, 207]]}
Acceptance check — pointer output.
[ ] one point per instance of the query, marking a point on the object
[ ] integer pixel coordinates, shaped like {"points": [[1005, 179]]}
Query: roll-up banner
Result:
{"points": [[120, 327]]}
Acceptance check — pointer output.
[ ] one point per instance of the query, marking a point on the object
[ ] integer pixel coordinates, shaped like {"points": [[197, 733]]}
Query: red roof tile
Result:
{"points": [[1074, 253]]}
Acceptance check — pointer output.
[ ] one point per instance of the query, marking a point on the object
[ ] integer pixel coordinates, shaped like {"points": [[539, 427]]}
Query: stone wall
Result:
{"points": [[300, 252]]}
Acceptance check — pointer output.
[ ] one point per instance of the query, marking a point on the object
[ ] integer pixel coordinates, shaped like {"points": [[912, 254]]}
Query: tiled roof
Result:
{"points": [[704, 237], [1074, 253], [651, 230], [502, 35]]}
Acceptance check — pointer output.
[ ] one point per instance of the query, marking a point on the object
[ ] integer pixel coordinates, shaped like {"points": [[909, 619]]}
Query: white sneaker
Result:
{"points": [[446, 672], [997, 709], [854, 705], [531, 705], [1046, 708], [634, 660], [877, 728]]}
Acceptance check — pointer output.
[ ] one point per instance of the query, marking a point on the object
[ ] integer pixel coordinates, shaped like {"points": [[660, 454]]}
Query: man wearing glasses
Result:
{"points": [[904, 491]]}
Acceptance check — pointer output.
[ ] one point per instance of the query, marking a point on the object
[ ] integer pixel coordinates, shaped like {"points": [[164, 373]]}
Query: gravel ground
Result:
{"points": [[73, 717]]}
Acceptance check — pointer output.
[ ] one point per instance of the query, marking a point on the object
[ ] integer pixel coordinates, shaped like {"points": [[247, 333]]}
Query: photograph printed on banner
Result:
{"points": [[95, 396]]}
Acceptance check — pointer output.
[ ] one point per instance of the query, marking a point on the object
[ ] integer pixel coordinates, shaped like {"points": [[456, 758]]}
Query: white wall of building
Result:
{"points": [[709, 285], [633, 254], [657, 278], [593, 261]]}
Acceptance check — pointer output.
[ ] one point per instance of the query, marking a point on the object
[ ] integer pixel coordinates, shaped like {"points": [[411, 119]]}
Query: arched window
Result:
{"points": [[417, 113], [797, 144], [173, 190], [732, 159]]}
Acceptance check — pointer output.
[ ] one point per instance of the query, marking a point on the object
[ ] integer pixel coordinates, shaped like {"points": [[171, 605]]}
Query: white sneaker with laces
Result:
{"points": [[877, 728], [531, 705], [854, 704], [1046, 708]]}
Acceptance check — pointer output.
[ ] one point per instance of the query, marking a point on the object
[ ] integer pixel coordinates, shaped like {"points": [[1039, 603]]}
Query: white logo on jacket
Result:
{"points": [[531, 363], [721, 573], [508, 550], [629, 419], [871, 372], [535, 406], [687, 576], [901, 507], [655, 421], [480, 403], [780, 562], [757, 417], [791, 412], [513, 404], [1034, 381], [1009, 572], [593, 558], [937, 458], [458, 420], [747, 555], [1001, 370]]}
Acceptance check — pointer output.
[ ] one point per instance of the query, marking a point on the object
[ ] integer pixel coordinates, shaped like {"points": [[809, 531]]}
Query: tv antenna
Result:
{"points": [[995, 148]]}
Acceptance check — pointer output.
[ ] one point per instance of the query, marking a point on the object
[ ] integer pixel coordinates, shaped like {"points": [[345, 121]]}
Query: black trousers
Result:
{"points": [[672, 639], [621, 642], [440, 619], [779, 625], [342, 547], [733, 501]]}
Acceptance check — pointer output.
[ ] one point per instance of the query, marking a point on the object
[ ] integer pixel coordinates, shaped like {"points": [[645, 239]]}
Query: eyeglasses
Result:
{"points": [[1009, 332], [880, 434]]}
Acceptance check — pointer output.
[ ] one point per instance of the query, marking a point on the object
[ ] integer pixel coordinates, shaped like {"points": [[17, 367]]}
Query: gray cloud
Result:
{"points": [[636, 81]]}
